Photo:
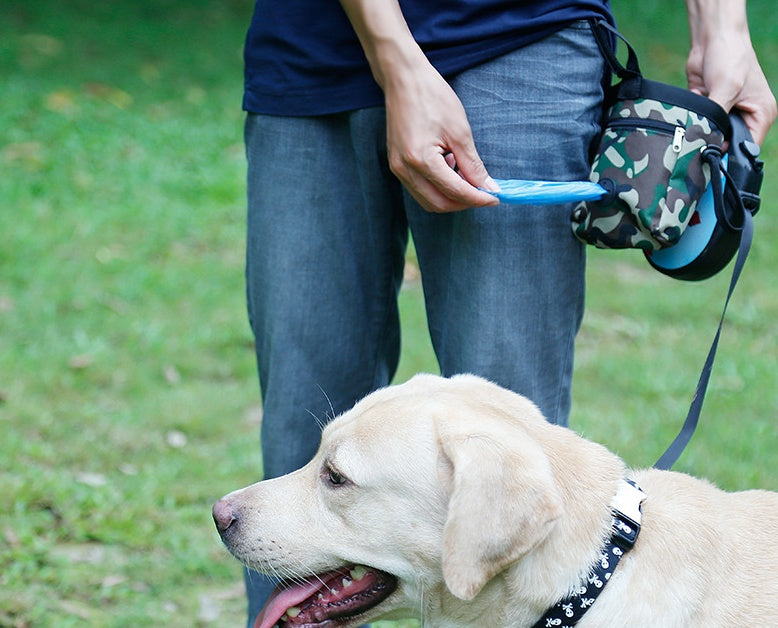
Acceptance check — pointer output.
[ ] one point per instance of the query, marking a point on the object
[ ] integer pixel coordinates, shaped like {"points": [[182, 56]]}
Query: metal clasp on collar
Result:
{"points": [[626, 514]]}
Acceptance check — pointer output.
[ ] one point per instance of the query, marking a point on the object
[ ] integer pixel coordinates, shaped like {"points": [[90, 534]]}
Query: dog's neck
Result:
{"points": [[588, 477], [588, 481]]}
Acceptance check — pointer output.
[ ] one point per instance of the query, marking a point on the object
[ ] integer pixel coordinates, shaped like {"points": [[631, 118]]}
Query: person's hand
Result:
{"points": [[722, 64], [429, 140], [430, 144]]}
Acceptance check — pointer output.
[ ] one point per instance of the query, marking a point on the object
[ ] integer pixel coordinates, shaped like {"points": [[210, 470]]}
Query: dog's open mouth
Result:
{"points": [[327, 600]]}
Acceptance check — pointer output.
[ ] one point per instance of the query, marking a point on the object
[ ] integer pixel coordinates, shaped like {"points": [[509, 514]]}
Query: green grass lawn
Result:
{"points": [[128, 394]]}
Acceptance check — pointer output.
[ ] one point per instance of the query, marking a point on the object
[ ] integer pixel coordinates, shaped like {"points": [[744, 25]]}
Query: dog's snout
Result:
{"points": [[223, 515]]}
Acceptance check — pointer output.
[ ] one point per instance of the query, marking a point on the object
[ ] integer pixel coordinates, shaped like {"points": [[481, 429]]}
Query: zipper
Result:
{"points": [[678, 136], [665, 128]]}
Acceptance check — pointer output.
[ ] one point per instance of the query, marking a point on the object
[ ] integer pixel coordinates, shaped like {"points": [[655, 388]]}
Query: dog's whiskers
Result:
{"points": [[328, 416], [319, 422], [295, 574], [329, 401]]}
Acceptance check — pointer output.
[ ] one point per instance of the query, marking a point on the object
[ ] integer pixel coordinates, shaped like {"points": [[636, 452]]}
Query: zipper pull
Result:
{"points": [[680, 133]]}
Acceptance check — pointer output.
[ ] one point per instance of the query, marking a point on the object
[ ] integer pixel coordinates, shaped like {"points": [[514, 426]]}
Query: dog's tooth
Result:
{"points": [[293, 611], [346, 583], [358, 572]]}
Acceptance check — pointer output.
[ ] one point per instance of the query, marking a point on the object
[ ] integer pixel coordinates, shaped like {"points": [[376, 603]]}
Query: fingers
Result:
{"points": [[729, 74], [758, 122], [754, 102], [430, 143], [439, 185], [445, 174]]}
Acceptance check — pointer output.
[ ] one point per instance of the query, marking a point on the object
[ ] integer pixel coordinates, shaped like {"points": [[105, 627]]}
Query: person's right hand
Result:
{"points": [[429, 141]]}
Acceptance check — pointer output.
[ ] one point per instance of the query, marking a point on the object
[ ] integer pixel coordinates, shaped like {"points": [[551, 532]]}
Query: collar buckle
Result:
{"points": [[626, 514]]}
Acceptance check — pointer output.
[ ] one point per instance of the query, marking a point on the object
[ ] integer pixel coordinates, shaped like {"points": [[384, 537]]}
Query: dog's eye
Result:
{"points": [[333, 477]]}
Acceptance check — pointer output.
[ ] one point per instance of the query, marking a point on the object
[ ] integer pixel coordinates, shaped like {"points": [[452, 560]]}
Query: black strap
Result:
{"points": [[604, 35], [673, 452]]}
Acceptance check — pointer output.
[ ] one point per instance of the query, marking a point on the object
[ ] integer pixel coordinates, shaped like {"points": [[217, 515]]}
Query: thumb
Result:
{"points": [[471, 168]]}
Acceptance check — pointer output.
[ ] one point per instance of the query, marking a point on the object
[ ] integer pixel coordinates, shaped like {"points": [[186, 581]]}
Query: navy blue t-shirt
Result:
{"points": [[303, 57]]}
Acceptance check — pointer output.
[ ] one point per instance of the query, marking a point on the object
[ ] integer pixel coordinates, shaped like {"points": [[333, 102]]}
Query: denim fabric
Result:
{"points": [[327, 230]]}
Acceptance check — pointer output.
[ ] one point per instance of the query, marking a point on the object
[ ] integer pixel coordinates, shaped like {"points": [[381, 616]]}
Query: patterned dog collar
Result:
{"points": [[626, 526]]}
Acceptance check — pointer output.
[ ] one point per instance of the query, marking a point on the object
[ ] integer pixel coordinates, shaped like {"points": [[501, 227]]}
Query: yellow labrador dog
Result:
{"points": [[453, 500]]}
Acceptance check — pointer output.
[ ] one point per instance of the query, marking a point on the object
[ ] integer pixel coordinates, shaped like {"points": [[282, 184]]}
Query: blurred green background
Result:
{"points": [[128, 394]]}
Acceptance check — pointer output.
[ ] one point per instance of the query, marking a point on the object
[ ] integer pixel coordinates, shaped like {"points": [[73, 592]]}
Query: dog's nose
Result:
{"points": [[223, 515]]}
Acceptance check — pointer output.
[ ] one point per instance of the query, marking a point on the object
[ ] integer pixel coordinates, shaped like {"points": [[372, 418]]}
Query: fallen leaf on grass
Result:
{"points": [[90, 553], [11, 537], [41, 44], [91, 479], [113, 580], [79, 362], [80, 610], [28, 155], [211, 603], [172, 375], [128, 469], [176, 439], [209, 609], [253, 416], [112, 95], [60, 100], [411, 274]]}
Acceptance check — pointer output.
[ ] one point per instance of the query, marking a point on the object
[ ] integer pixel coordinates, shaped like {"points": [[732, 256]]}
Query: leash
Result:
{"points": [[673, 452]]}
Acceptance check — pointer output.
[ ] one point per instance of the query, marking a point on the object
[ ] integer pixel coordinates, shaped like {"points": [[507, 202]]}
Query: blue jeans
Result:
{"points": [[327, 231]]}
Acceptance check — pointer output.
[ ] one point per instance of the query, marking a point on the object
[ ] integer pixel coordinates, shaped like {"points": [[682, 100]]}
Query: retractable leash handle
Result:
{"points": [[710, 243], [744, 167]]}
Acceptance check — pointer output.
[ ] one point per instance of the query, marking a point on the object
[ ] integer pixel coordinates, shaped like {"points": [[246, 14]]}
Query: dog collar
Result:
{"points": [[625, 509]]}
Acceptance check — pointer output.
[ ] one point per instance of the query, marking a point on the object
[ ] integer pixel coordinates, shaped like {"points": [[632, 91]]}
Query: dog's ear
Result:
{"points": [[503, 502]]}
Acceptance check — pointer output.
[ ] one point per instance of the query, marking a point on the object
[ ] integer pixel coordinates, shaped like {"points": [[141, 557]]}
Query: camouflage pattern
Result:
{"points": [[651, 153]]}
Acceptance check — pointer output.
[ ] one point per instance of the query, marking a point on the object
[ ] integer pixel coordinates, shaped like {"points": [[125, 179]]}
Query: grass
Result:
{"points": [[128, 395]]}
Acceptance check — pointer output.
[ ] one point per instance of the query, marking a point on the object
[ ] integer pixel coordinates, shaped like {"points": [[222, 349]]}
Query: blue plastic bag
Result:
{"points": [[520, 192]]}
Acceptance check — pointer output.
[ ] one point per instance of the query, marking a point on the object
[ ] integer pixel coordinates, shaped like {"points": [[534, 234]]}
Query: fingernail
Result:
{"points": [[490, 185]]}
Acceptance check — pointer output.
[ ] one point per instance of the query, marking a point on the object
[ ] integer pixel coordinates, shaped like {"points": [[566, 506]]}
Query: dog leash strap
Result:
{"points": [[673, 452]]}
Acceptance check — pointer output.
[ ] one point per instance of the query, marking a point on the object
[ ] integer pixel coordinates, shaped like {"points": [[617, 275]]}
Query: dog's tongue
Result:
{"points": [[283, 598], [326, 595]]}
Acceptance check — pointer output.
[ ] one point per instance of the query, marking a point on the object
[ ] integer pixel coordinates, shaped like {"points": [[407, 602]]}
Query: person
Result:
{"points": [[378, 119]]}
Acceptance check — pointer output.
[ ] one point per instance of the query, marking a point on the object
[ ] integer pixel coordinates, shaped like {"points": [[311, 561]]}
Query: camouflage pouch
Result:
{"points": [[651, 159]]}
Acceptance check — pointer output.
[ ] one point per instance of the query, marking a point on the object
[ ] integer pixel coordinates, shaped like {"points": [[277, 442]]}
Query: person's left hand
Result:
{"points": [[723, 66]]}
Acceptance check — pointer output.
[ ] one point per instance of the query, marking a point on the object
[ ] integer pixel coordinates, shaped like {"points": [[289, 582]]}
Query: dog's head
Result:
{"points": [[421, 494]]}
